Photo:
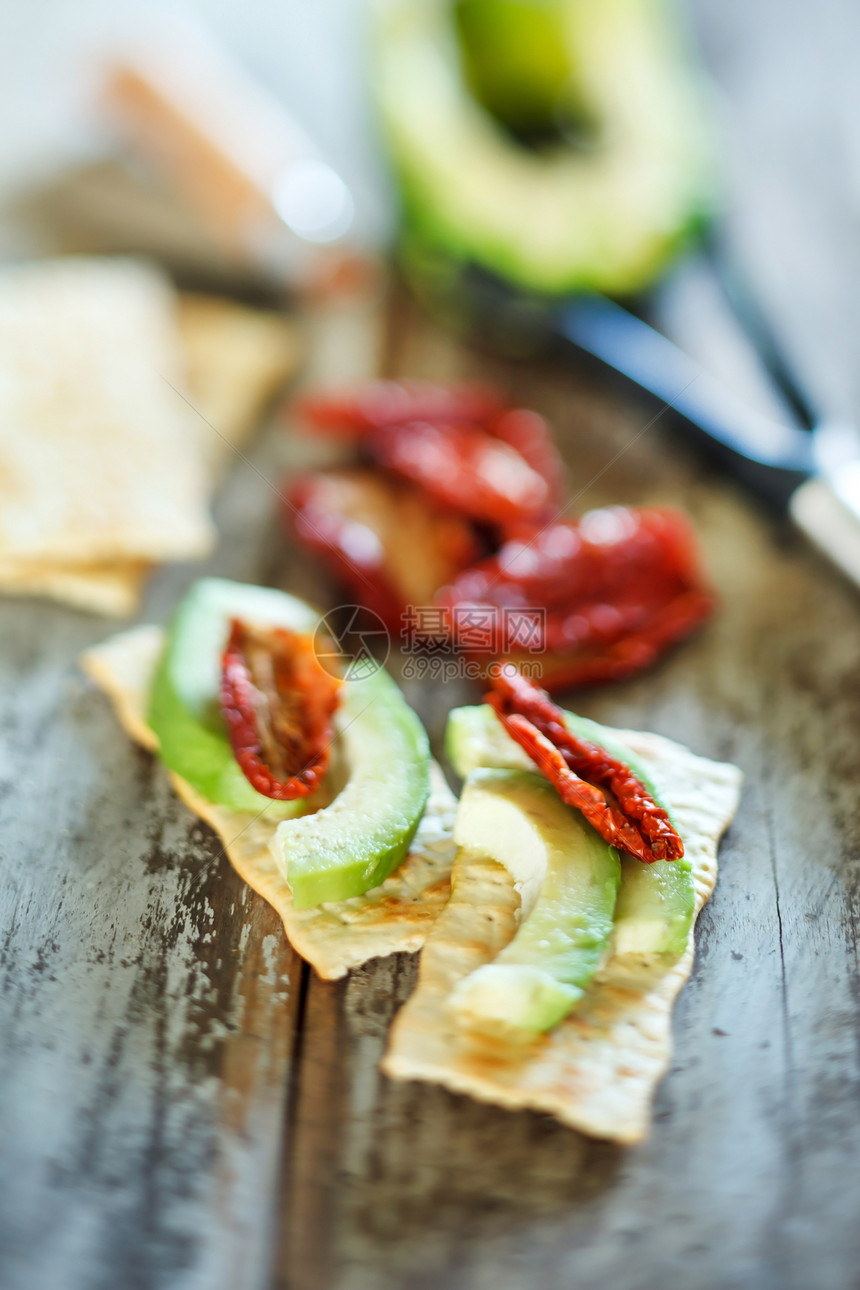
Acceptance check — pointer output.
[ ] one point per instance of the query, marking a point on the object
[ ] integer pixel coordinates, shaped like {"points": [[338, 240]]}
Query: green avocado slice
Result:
{"points": [[337, 850], [656, 903], [183, 709], [568, 879], [620, 176], [356, 842]]}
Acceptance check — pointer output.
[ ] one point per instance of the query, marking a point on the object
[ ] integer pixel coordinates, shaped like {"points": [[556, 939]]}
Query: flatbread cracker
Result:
{"points": [[98, 462], [335, 936], [599, 1069], [230, 358], [236, 360], [110, 589]]}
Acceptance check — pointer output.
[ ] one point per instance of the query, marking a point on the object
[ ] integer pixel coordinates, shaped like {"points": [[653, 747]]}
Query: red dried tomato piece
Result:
{"points": [[465, 468], [386, 405], [278, 704], [613, 590], [641, 826], [531, 435], [632, 653], [605, 819], [352, 413], [390, 544]]}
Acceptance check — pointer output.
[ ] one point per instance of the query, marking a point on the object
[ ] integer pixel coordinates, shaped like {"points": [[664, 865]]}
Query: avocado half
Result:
{"points": [[557, 143], [345, 838]]}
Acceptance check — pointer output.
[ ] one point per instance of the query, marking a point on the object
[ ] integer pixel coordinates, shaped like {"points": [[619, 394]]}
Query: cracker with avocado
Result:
{"points": [[334, 936], [598, 1069]]}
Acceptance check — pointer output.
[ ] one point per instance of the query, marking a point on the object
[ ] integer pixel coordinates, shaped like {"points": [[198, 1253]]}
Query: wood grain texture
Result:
{"points": [[160, 1047], [146, 999]]}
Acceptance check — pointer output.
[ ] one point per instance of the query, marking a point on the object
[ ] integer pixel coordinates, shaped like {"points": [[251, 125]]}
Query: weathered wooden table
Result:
{"points": [[183, 1106]]}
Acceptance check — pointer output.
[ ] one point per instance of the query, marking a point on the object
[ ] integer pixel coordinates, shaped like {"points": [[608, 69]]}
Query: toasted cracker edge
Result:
{"points": [[597, 1071]]}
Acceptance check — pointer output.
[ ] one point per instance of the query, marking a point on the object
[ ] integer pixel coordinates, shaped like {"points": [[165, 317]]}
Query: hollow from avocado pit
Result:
{"points": [[184, 709]]}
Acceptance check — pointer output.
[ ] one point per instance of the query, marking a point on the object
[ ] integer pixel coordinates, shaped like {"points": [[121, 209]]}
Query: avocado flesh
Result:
{"points": [[656, 903], [355, 843], [568, 879], [184, 711], [604, 215]]}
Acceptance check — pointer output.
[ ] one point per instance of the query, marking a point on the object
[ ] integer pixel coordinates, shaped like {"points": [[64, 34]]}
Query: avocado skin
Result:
{"points": [[539, 977], [183, 707], [353, 844], [656, 903]]}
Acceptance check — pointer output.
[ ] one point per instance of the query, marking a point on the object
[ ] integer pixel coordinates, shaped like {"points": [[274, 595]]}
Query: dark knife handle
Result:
{"points": [[772, 457]]}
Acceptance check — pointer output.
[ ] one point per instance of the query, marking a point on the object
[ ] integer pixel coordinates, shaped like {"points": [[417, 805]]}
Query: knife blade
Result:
{"points": [[813, 473]]}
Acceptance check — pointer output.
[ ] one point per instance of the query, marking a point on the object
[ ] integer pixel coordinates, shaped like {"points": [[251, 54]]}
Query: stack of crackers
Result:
{"points": [[120, 404]]}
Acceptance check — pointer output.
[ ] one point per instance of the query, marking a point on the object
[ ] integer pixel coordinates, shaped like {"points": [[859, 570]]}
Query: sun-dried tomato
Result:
{"points": [[611, 592], [465, 468], [388, 542], [588, 760], [278, 704], [635, 822], [531, 435], [632, 653], [615, 589], [456, 466], [352, 413]]}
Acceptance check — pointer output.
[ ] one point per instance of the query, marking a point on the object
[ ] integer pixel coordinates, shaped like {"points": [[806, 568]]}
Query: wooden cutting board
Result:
{"points": [[182, 1103]]}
